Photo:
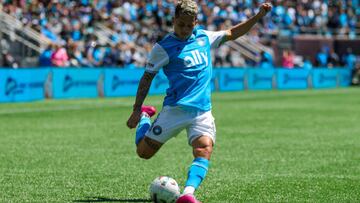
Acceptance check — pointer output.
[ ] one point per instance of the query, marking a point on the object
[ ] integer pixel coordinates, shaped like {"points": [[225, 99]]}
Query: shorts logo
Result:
{"points": [[157, 130]]}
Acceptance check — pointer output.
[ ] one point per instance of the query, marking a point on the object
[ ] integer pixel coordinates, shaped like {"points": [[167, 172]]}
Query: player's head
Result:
{"points": [[185, 18]]}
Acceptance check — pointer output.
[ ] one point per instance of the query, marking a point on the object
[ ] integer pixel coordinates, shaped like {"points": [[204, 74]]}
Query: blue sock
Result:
{"points": [[143, 126], [197, 172]]}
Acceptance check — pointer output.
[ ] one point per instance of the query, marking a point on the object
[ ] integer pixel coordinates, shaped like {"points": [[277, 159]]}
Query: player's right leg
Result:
{"points": [[146, 147], [150, 137], [202, 134]]}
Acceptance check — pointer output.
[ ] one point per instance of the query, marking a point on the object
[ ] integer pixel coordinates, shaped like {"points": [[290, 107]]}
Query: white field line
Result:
{"points": [[67, 107]]}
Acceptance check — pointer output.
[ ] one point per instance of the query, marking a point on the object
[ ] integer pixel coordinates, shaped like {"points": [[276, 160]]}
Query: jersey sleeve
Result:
{"points": [[157, 59], [215, 38]]}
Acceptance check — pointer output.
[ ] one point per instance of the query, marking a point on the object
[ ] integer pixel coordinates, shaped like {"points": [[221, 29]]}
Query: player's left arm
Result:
{"points": [[244, 27], [142, 92]]}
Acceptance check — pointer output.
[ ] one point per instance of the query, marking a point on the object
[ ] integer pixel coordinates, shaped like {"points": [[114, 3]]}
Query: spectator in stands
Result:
{"points": [[59, 57], [8, 60], [222, 57], [129, 21], [111, 57], [266, 60], [307, 64], [333, 19], [128, 55], [288, 59], [334, 59], [349, 59], [45, 57], [322, 57], [76, 55], [96, 55], [356, 75], [46, 31]]}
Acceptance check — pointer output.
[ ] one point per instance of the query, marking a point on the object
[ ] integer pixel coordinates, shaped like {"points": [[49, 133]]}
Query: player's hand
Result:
{"points": [[134, 119], [264, 9]]}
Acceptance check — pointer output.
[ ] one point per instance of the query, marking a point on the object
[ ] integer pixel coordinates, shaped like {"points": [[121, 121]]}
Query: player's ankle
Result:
{"points": [[189, 190], [144, 114]]}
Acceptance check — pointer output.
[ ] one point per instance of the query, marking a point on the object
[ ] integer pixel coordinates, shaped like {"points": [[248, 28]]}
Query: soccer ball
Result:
{"points": [[164, 190]]}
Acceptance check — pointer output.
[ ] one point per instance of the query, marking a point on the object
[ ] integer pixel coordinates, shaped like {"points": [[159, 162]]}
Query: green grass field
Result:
{"points": [[272, 146]]}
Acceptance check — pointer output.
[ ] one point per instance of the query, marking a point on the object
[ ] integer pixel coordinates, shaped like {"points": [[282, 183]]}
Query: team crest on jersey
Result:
{"points": [[196, 58], [157, 130], [201, 42]]}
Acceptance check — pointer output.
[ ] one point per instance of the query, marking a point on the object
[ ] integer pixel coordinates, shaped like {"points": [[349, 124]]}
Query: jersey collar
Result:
{"points": [[192, 37]]}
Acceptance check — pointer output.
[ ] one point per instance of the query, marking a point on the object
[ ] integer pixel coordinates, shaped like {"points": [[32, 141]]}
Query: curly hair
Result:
{"points": [[186, 7]]}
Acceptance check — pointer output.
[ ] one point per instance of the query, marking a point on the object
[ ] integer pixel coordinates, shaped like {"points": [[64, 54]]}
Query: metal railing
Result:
{"points": [[9, 25], [249, 48]]}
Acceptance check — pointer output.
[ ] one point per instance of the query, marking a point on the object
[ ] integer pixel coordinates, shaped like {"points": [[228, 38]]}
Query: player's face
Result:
{"points": [[184, 25]]}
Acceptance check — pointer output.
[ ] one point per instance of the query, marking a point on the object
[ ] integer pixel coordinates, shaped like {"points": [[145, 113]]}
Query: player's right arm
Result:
{"points": [[143, 90], [157, 59], [242, 28]]}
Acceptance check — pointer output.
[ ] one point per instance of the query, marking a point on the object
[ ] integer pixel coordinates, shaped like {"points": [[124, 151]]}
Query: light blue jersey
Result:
{"points": [[187, 65]]}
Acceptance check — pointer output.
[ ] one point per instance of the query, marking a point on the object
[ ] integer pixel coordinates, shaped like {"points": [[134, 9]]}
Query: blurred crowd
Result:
{"points": [[136, 25]]}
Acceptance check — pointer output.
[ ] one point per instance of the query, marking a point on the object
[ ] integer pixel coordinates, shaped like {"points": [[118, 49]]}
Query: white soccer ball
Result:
{"points": [[164, 190]]}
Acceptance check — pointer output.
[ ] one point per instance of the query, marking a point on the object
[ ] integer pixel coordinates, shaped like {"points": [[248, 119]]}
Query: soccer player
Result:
{"points": [[185, 58]]}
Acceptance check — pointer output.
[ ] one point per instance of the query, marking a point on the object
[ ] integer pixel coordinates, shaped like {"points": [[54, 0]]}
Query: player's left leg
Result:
{"points": [[202, 149], [202, 138]]}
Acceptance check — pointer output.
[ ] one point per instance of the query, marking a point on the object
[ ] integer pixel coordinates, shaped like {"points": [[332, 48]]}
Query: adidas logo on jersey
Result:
{"points": [[196, 58]]}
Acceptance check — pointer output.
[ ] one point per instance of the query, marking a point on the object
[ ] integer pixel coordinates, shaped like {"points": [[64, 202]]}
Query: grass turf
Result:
{"points": [[272, 146]]}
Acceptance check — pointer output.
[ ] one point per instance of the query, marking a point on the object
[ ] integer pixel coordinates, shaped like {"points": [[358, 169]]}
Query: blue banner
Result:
{"points": [[344, 77], [292, 78], [30, 84], [124, 82], [324, 78], [22, 84], [75, 83], [121, 82], [231, 79], [260, 79]]}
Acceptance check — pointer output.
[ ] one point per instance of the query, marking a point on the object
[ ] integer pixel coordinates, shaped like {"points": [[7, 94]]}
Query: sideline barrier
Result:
{"points": [[231, 79], [260, 79], [22, 85], [292, 78], [344, 77], [121, 82], [324, 78], [75, 83], [33, 84], [124, 82]]}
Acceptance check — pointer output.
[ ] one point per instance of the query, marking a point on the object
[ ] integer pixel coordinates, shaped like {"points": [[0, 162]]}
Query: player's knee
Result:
{"points": [[147, 148], [204, 151], [203, 147], [143, 154]]}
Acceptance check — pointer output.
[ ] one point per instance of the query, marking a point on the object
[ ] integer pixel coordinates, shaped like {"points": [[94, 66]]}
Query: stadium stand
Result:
{"points": [[120, 33]]}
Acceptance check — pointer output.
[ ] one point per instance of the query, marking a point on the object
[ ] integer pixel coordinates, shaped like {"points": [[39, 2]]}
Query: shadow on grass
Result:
{"points": [[105, 199]]}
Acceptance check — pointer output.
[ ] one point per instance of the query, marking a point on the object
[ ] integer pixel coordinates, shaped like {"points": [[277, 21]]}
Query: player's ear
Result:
{"points": [[196, 21]]}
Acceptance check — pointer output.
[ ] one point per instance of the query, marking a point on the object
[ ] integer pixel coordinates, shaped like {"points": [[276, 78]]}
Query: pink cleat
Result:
{"points": [[150, 110], [187, 198]]}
